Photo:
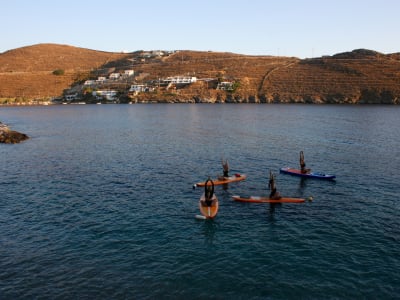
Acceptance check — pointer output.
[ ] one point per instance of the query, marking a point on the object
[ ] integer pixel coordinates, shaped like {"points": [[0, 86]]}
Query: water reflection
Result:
{"points": [[301, 187], [209, 228]]}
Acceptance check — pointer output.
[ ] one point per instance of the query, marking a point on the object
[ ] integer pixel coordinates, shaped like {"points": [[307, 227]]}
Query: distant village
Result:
{"points": [[124, 84]]}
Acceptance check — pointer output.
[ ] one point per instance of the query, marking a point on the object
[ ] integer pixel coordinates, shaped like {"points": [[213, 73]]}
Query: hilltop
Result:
{"points": [[47, 71], [27, 72]]}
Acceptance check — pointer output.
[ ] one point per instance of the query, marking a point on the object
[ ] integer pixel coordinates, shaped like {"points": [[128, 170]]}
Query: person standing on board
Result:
{"points": [[225, 167], [303, 164], [274, 194]]}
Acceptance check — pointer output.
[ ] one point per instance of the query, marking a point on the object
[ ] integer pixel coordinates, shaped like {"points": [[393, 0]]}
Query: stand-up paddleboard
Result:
{"points": [[297, 172], [208, 203], [224, 180], [208, 210], [257, 199]]}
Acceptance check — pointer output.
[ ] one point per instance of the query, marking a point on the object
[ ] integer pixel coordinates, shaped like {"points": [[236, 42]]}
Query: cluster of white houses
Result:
{"points": [[111, 77], [168, 82], [111, 94]]}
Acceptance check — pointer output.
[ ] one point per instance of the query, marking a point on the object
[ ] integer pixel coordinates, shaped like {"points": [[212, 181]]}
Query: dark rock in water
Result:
{"points": [[8, 136]]}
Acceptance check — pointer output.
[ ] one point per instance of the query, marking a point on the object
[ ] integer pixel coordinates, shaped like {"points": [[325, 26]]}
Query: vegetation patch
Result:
{"points": [[58, 72]]}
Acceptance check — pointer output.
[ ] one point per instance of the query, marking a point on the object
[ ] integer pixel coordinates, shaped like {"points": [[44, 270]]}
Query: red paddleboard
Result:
{"points": [[257, 199], [225, 180]]}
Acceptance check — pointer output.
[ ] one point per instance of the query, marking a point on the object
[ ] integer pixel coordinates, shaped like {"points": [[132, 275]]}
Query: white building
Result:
{"points": [[137, 88], [129, 72], [89, 82], [180, 80], [158, 53], [114, 76], [109, 95], [140, 88], [225, 86]]}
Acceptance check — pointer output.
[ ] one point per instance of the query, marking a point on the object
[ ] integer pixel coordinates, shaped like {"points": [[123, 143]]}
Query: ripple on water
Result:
{"points": [[108, 212]]}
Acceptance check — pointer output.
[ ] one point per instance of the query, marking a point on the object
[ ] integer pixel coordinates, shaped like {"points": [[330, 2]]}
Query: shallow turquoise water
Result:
{"points": [[99, 203]]}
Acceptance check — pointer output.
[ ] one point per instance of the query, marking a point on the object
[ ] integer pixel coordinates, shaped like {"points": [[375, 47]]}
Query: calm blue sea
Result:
{"points": [[98, 203]]}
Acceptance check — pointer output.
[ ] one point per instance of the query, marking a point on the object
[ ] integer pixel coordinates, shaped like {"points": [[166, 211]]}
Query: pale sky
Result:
{"points": [[300, 28]]}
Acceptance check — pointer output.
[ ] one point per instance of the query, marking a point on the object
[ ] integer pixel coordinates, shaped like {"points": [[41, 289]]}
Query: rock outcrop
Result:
{"points": [[8, 136]]}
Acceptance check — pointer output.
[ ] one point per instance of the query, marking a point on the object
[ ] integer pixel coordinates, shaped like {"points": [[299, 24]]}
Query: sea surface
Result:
{"points": [[99, 202]]}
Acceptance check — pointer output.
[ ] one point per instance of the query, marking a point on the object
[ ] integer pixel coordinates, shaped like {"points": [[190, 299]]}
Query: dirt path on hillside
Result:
{"points": [[260, 88]]}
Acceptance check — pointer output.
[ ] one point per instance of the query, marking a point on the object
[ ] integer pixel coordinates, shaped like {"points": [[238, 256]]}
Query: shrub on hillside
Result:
{"points": [[58, 72]]}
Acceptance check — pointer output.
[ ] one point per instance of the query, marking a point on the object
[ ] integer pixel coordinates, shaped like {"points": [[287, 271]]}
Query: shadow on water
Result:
{"points": [[304, 183], [271, 211], [209, 228], [302, 186]]}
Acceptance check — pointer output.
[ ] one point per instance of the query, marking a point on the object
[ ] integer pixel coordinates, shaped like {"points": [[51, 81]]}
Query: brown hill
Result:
{"points": [[27, 72], [359, 76]]}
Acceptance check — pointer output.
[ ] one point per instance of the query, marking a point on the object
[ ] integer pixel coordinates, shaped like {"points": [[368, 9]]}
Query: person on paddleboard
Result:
{"points": [[271, 185], [209, 192], [303, 164], [225, 167]]}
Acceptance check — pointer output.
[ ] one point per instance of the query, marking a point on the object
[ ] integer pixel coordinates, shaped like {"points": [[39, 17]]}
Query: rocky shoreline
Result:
{"points": [[8, 136]]}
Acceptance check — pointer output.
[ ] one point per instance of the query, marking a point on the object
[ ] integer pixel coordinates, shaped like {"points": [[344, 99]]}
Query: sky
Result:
{"points": [[299, 28]]}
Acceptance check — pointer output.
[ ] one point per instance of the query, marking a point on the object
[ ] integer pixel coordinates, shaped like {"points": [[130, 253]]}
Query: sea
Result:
{"points": [[100, 202]]}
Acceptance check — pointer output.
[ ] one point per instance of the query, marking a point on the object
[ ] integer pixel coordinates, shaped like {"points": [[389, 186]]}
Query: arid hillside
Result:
{"points": [[360, 76], [27, 72], [49, 70]]}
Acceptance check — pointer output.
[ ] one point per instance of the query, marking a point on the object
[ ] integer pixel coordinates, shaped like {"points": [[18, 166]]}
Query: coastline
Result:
{"points": [[8, 136], [194, 102]]}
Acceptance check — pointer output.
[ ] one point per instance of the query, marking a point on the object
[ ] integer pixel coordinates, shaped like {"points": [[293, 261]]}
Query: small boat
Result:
{"points": [[224, 180], [296, 172], [258, 199]]}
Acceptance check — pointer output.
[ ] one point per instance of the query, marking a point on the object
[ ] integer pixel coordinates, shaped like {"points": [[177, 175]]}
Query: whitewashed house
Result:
{"points": [[137, 88], [109, 95], [225, 86], [158, 53], [129, 73], [114, 76], [89, 82], [180, 80], [101, 79]]}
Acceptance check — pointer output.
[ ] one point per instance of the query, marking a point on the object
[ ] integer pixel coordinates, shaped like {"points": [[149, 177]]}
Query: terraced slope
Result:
{"points": [[358, 76]]}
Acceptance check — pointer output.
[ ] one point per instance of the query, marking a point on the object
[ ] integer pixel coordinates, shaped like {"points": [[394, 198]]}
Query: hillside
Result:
{"points": [[359, 76], [27, 72]]}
